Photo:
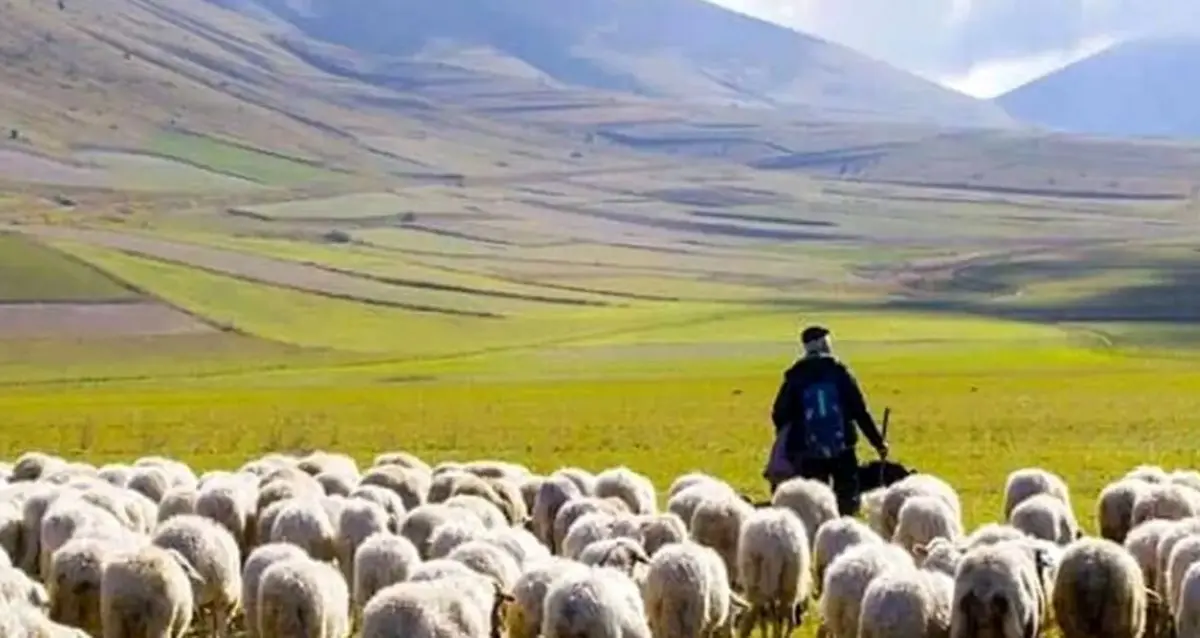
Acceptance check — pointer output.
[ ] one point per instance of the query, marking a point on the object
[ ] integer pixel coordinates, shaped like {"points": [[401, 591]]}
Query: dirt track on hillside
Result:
{"points": [[95, 320]]}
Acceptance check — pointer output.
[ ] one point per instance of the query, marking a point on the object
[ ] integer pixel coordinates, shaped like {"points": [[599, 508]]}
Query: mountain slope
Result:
{"points": [[686, 50], [1143, 88]]}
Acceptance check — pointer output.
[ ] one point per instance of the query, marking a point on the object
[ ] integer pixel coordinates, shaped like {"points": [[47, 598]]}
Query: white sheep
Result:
{"points": [[835, 537], [487, 510], [1163, 501], [552, 494], [403, 459], [384, 498], [634, 489], [717, 523], [1148, 474], [583, 479], [1175, 533], [257, 562], [411, 485], [687, 593], [418, 525], [939, 555], [358, 521], [595, 603], [1182, 556], [1026, 482], [590, 528], [924, 518], [997, 592], [1045, 516], [684, 502], [813, 501], [440, 568], [773, 563], [1114, 508], [523, 618], [67, 517], [73, 582], [489, 560], [230, 502], [907, 603], [990, 534], [147, 591], [913, 485], [305, 522], [213, 552], [685, 481], [1187, 614], [320, 461], [177, 500], [572, 511], [522, 544], [1186, 478], [454, 606], [451, 534], [846, 582], [622, 553], [303, 597], [380, 561], [1142, 544], [1099, 591], [657, 531]]}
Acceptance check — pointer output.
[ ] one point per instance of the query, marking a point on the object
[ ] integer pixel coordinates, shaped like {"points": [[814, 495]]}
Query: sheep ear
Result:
{"points": [[640, 556], [1153, 597], [920, 552]]}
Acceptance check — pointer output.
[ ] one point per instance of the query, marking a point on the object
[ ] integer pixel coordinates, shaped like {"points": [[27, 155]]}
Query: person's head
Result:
{"points": [[816, 340]]}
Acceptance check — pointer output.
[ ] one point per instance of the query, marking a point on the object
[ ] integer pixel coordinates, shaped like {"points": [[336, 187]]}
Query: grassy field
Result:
{"points": [[31, 272], [991, 355], [368, 254], [246, 163]]}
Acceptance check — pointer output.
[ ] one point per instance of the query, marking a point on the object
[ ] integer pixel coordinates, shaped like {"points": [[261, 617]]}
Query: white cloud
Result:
{"points": [[979, 46], [995, 77]]}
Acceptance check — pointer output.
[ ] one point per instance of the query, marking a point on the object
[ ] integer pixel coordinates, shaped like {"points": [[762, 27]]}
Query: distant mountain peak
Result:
{"points": [[1143, 87]]}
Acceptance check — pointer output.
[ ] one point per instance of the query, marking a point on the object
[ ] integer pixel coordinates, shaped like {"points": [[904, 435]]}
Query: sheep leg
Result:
{"points": [[221, 622], [777, 619], [748, 621]]}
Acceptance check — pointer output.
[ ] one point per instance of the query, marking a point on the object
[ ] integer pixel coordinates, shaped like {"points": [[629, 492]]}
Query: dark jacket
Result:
{"points": [[788, 408]]}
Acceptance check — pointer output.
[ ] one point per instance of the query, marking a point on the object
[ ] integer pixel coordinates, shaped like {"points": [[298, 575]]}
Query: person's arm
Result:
{"points": [[783, 410], [856, 409]]}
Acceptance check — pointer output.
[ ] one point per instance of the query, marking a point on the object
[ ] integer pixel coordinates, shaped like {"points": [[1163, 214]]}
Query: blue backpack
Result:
{"points": [[824, 425]]}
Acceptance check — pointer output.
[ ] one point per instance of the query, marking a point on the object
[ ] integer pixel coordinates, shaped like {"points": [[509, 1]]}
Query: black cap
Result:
{"points": [[813, 333]]}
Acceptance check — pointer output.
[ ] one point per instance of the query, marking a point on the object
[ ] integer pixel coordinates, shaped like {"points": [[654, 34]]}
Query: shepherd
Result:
{"points": [[815, 414]]}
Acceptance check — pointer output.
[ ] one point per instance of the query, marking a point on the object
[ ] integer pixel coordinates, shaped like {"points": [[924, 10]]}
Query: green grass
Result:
{"points": [[970, 419], [348, 207], [141, 172], [455, 284], [661, 388], [315, 321], [33, 272], [215, 155]]}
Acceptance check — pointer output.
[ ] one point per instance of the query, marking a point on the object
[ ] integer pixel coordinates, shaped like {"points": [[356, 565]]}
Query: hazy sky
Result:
{"points": [[981, 47]]}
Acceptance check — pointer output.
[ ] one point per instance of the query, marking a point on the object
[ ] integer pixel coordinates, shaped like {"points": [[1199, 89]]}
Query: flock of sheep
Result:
{"points": [[314, 546]]}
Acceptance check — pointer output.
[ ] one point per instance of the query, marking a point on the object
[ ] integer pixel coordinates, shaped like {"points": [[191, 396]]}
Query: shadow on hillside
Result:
{"points": [[1170, 296]]}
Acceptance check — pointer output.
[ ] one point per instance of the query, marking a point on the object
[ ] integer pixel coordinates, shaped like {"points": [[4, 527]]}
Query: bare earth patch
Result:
{"points": [[26, 167], [95, 320]]}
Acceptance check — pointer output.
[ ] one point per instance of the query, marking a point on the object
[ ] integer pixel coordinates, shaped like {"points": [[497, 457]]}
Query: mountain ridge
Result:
{"points": [[1137, 88]]}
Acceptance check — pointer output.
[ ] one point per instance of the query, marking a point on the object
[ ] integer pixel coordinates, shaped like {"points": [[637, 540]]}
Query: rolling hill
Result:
{"points": [[1138, 88], [684, 50]]}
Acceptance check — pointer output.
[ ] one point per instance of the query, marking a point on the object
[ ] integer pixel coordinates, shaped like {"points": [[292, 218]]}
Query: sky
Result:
{"points": [[981, 47]]}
